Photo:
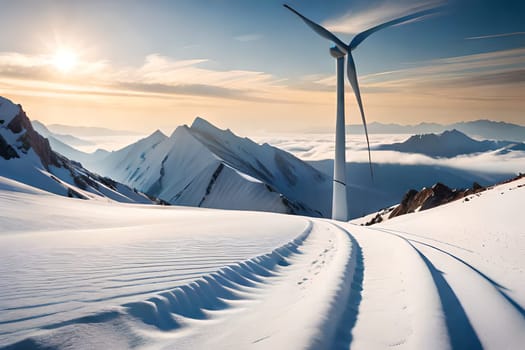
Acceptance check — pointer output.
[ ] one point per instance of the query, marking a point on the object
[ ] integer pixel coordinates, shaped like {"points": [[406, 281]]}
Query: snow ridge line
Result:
{"points": [[209, 292], [212, 291]]}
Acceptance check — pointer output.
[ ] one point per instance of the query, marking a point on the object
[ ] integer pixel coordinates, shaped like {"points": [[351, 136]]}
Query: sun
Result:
{"points": [[64, 60]]}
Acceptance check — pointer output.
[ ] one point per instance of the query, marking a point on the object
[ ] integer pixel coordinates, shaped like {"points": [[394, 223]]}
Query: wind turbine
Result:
{"points": [[339, 51]]}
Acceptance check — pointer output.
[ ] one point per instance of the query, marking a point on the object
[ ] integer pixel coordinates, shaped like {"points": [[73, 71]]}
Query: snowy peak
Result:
{"points": [[280, 170], [454, 134], [157, 135], [201, 124], [8, 110]]}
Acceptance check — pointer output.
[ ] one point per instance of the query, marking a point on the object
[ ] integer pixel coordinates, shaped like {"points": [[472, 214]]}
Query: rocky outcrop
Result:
{"points": [[31, 139], [428, 198]]}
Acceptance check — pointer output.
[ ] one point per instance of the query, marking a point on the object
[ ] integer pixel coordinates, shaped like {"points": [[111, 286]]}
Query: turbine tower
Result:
{"points": [[339, 51]]}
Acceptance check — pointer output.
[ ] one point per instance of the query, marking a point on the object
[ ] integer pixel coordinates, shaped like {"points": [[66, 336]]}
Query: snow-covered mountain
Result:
{"points": [[450, 143], [27, 157], [204, 166]]}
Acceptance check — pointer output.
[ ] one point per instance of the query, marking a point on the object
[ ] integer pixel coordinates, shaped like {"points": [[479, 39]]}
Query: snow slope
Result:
{"points": [[98, 273], [90, 274], [473, 253]]}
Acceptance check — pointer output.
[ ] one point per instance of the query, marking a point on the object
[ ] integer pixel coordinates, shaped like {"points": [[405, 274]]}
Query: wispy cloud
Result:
{"points": [[157, 76], [501, 35], [356, 21], [248, 37], [491, 68]]}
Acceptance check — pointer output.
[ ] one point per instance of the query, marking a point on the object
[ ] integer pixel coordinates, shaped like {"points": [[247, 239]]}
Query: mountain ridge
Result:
{"points": [[482, 128], [450, 143]]}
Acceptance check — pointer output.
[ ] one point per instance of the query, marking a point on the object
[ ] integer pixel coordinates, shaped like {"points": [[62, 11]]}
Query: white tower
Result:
{"points": [[339, 202], [339, 51]]}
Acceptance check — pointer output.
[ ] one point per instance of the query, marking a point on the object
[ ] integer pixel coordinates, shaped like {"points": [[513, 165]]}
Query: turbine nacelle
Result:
{"points": [[336, 52]]}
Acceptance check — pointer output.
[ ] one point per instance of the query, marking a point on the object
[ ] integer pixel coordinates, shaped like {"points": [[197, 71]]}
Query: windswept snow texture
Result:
{"points": [[74, 267], [204, 166], [88, 274]]}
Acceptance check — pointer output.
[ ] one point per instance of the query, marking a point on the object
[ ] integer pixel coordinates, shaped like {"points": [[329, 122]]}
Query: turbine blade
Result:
{"points": [[352, 77], [363, 35], [320, 30]]}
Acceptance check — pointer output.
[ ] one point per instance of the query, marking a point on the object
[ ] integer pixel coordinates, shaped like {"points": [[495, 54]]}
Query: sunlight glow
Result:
{"points": [[64, 60]]}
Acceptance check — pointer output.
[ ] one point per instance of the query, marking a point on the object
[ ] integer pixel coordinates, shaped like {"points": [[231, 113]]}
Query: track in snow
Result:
{"points": [[472, 310]]}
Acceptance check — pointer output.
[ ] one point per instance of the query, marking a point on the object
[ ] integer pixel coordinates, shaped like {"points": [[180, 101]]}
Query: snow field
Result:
{"points": [[91, 274], [473, 250], [142, 276]]}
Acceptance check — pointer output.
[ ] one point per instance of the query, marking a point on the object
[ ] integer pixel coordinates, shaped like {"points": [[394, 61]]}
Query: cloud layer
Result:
{"points": [[314, 147]]}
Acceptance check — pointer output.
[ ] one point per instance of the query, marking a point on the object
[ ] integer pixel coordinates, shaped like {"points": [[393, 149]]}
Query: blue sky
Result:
{"points": [[274, 50]]}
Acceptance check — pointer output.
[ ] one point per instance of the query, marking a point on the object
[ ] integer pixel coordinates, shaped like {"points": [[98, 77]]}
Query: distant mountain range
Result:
{"points": [[484, 129], [450, 144], [62, 144], [63, 138], [27, 157], [86, 131]]}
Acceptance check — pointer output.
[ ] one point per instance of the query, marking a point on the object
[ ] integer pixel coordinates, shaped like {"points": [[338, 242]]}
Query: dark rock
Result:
{"points": [[441, 194], [375, 220], [6, 151], [403, 207], [427, 198]]}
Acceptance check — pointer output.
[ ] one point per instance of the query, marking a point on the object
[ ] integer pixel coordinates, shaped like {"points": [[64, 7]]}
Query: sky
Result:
{"points": [[253, 65]]}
